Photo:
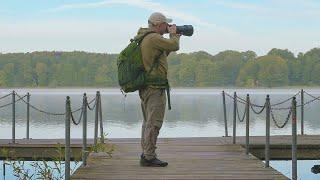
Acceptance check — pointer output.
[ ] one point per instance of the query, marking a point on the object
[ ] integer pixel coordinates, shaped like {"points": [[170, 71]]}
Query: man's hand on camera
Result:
{"points": [[172, 29]]}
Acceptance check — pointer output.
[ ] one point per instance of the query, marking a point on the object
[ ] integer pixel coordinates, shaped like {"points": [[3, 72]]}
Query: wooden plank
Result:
{"points": [[308, 145], [194, 159]]}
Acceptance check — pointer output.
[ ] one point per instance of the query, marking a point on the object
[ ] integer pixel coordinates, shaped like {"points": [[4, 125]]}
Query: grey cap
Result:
{"points": [[157, 18]]}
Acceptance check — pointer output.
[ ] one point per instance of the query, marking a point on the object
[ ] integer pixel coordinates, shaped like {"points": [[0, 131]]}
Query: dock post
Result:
{"points": [[100, 118], [267, 147], [67, 139], [247, 123], [28, 115], [4, 168], [234, 117], [294, 139], [84, 131], [225, 114], [13, 117], [302, 112], [96, 119]]}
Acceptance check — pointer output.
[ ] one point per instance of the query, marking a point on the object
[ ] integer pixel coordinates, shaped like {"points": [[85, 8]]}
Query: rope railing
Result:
{"points": [[80, 117], [286, 100], [273, 107], [47, 112], [69, 117], [318, 98], [243, 101], [82, 108], [277, 123], [285, 122], [270, 109], [93, 107], [83, 118], [17, 100], [257, 112], [238, 114], [40, 110], [6, 96]]}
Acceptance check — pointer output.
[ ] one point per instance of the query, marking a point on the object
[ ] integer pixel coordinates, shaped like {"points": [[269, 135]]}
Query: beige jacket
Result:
{"points": [[152, 46]]}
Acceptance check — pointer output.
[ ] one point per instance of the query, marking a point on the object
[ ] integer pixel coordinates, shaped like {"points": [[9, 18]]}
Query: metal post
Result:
{"points": [[234, 117], [247, 124], [302, 112], [225, 114], [28, 114], [96, 120], [67, 139], [267, 147], [13, 117], [4, 169], [101, 122], [294, 139], [84, 130]]}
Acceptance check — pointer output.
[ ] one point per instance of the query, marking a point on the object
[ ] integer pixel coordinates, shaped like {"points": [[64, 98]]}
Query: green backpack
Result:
{"points": [[132, 75], [131, 72]]}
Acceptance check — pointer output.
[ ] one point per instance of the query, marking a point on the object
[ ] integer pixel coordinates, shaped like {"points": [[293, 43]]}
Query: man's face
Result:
{"points": [[163, 28]]}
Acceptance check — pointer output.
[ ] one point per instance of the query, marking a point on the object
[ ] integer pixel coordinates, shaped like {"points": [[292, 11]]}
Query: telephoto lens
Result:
{"points": [[186, 30]]}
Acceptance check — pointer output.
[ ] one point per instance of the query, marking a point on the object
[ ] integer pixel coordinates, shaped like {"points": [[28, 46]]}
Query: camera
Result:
{"points": [[186, 30]]}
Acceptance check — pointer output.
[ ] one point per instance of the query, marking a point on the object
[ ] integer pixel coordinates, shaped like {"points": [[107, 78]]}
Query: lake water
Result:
{"points": [[195, 113], [304, 168], [28, 168]]}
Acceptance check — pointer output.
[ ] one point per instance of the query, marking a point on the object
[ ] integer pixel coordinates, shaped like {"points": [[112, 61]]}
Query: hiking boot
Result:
{"points": [[155, 162]]}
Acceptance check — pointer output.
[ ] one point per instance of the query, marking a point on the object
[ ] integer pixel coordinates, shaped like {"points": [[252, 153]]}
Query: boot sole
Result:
{"points": [[152, 165]]}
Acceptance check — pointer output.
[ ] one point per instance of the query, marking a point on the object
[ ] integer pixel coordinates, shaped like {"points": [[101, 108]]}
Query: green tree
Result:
{"points": [[273, 71], [294, 64], [41, 72]]}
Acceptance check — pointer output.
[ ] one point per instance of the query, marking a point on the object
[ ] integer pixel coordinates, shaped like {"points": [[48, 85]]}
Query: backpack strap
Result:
{"points": [[157, 59], [139, 40], [156, 62]]}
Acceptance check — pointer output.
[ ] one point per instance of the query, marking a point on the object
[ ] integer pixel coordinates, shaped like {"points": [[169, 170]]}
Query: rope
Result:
{"points": [[318, 98], [21, 98], [6, 105], [286, 100], [46, 112], [282, 108], [243, 101], [286, 121], [306, 103], [93, 107], [257, 112], [80, 118], [42, 111], [244, 114], [5, 96]]}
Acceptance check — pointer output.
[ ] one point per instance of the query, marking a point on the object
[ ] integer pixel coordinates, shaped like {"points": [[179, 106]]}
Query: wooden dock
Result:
{"points": [[196, 158], [189, 158]]}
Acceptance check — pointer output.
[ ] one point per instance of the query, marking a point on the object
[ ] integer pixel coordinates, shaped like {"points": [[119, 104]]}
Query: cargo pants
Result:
{"points": [[153, 104]]}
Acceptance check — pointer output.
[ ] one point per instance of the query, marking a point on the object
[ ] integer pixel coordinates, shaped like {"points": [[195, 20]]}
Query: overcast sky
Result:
{"points": [[106, 26]]}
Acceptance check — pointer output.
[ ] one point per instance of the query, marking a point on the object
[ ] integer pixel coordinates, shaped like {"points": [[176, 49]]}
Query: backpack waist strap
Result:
{"points": [[160, 82]]}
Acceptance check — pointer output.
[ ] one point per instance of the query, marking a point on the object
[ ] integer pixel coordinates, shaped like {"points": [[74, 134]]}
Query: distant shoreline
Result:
{"points": [[227, 87]]}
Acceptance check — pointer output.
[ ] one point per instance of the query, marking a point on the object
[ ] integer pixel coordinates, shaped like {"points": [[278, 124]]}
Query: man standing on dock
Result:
{"points": [[155, 49]]}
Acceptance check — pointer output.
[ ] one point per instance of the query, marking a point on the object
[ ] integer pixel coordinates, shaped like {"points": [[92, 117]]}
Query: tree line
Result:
{"points": [[279, 67]]}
